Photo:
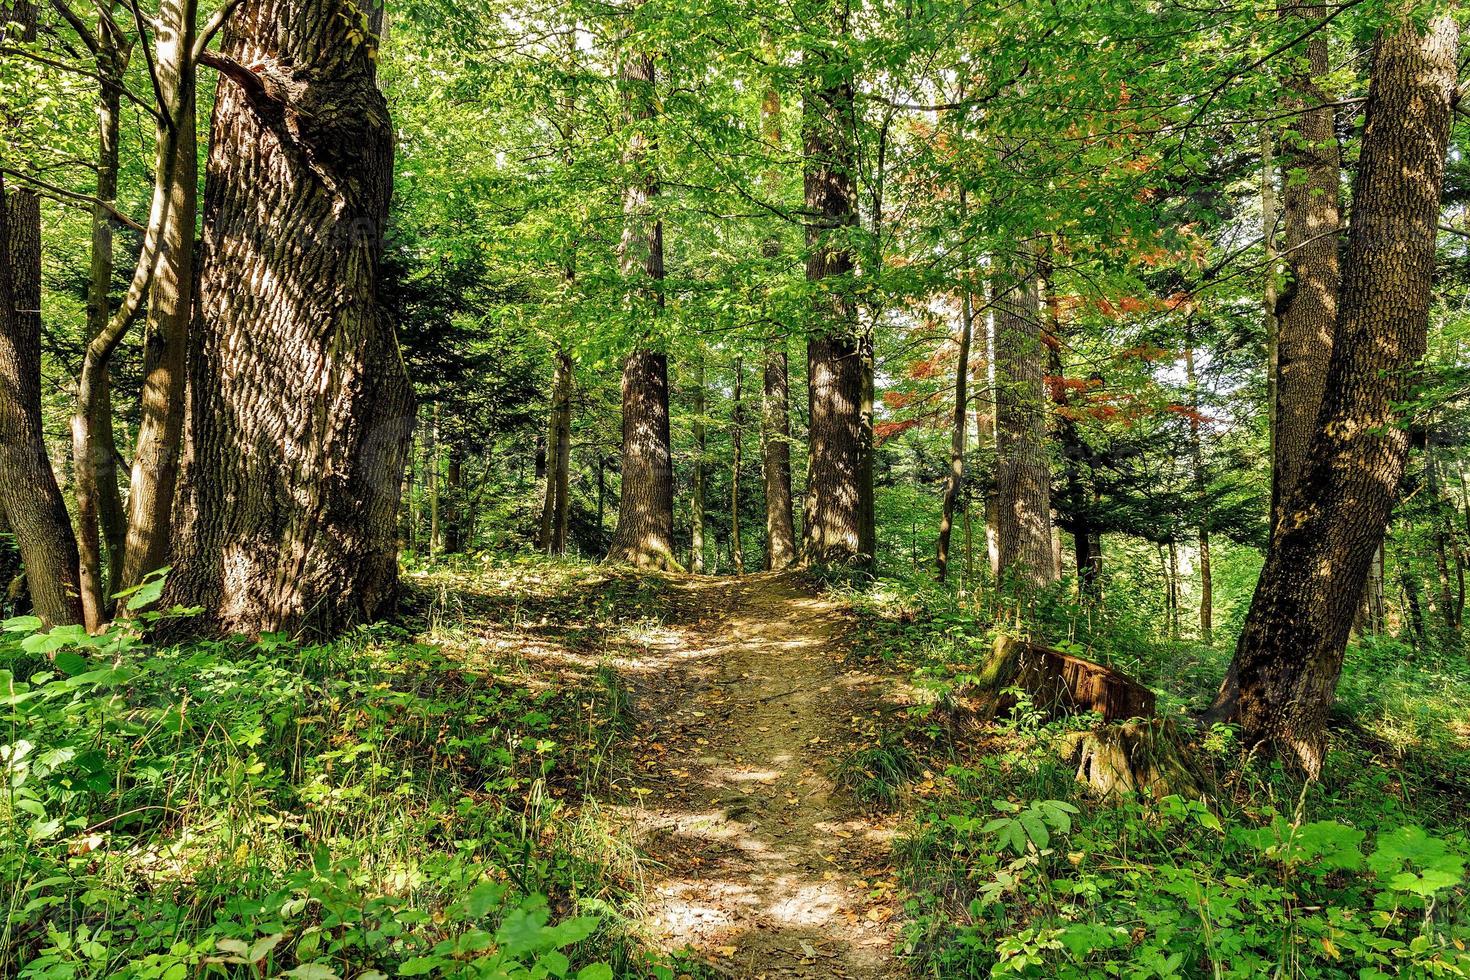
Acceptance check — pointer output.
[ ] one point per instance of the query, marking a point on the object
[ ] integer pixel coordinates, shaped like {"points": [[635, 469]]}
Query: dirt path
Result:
{"points": [[757, 864]]}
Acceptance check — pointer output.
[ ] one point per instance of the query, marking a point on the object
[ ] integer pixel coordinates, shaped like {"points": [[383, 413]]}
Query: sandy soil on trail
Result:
{"points": [[755, 862]]}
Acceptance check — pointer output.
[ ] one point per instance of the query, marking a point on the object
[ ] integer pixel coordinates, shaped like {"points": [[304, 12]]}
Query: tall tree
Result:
{"points": [[737, 440], [1291, 647], [151, 489], [556, 504], [836, 489], [1306, 308], [1020, 505], [958, 440], [696, 493], [776, 387], [29, 494], [294, 464], [645, 532]]}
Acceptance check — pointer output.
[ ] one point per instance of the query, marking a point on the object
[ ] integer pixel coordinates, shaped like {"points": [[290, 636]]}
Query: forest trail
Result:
{"points": [[756, 862]]}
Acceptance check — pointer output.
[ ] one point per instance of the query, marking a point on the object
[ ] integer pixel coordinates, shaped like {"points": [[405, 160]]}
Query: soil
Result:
{"points": [[758, 864]]}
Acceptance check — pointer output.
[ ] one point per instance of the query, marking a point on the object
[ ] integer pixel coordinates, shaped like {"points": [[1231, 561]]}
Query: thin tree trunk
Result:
{"points": [[1021, 499], [152, 487], [453, 500], [111, 61], [836, 355], [555, 507], [776, 383], [958, 440], [737, 438], [1442, 532], [696, 503], [436, 529], [300, 537], [1290, 652], [1201, 485], [645, 533]]}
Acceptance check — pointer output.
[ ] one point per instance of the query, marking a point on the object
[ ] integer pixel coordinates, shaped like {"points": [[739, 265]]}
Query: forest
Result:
{"points": [[689, 489]]}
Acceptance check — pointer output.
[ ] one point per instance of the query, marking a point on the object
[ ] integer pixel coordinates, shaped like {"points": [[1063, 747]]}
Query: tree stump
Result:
{"points": [[1058, 683], [1130, 752]]}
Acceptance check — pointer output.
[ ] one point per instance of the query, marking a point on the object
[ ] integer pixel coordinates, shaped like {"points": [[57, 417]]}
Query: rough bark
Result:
{"points": [[645, 532], [1306, 310], [1020, 506], [1290, 652], [837, 377], [1058, 683], [299, 407], [153, 485], [31, 499]]}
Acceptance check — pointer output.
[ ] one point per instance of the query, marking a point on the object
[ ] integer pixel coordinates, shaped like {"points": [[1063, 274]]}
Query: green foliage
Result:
{"points": [[368, 808]]}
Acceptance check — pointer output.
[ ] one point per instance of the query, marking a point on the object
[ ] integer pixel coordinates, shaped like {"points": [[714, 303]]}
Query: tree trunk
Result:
{"points": [[776, 456], [152, 488], [293, 466], [31, 499], [453, 501], [645, 533], [696, 502], [737, 438], [837, 376], [112, 61], [1020, 510], [954, 482], [555, 507], [1291, 647], [1372, 614], [436, 527], [1201, 485], [1306, 310]]}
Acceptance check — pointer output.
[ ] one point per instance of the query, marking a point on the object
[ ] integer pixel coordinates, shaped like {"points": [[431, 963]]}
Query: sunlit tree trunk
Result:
{"points": [[1201, 484], [954, 482], [152, 488], [776, 383], [1290, 652], [645, 533], [299, 537], [555, 505], [836, 355], [1306, 309], [1020, 506]]}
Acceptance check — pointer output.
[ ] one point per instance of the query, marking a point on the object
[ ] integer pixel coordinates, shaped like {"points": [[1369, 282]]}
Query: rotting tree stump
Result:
{"points": [[1058, 683], [1129, 752]]}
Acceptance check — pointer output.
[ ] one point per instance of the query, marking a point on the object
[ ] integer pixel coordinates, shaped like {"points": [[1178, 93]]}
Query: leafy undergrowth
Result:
{"points": [[403, 802], [1012, 869]]}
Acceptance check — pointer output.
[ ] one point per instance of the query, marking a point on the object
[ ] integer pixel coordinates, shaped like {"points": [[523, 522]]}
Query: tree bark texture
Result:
{"points": [[299, 408], [1290, 651], [835, 353], [1020, 510], [958, 440], [645, 532], [1306, 309]]}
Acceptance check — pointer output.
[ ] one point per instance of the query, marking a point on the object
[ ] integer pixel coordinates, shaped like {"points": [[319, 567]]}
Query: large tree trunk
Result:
{"points": [[155, 473], [1020, 510], [1306, 310], [836, 386], [1290, 652], [294, 464], [645, 533], [31, 499]]}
